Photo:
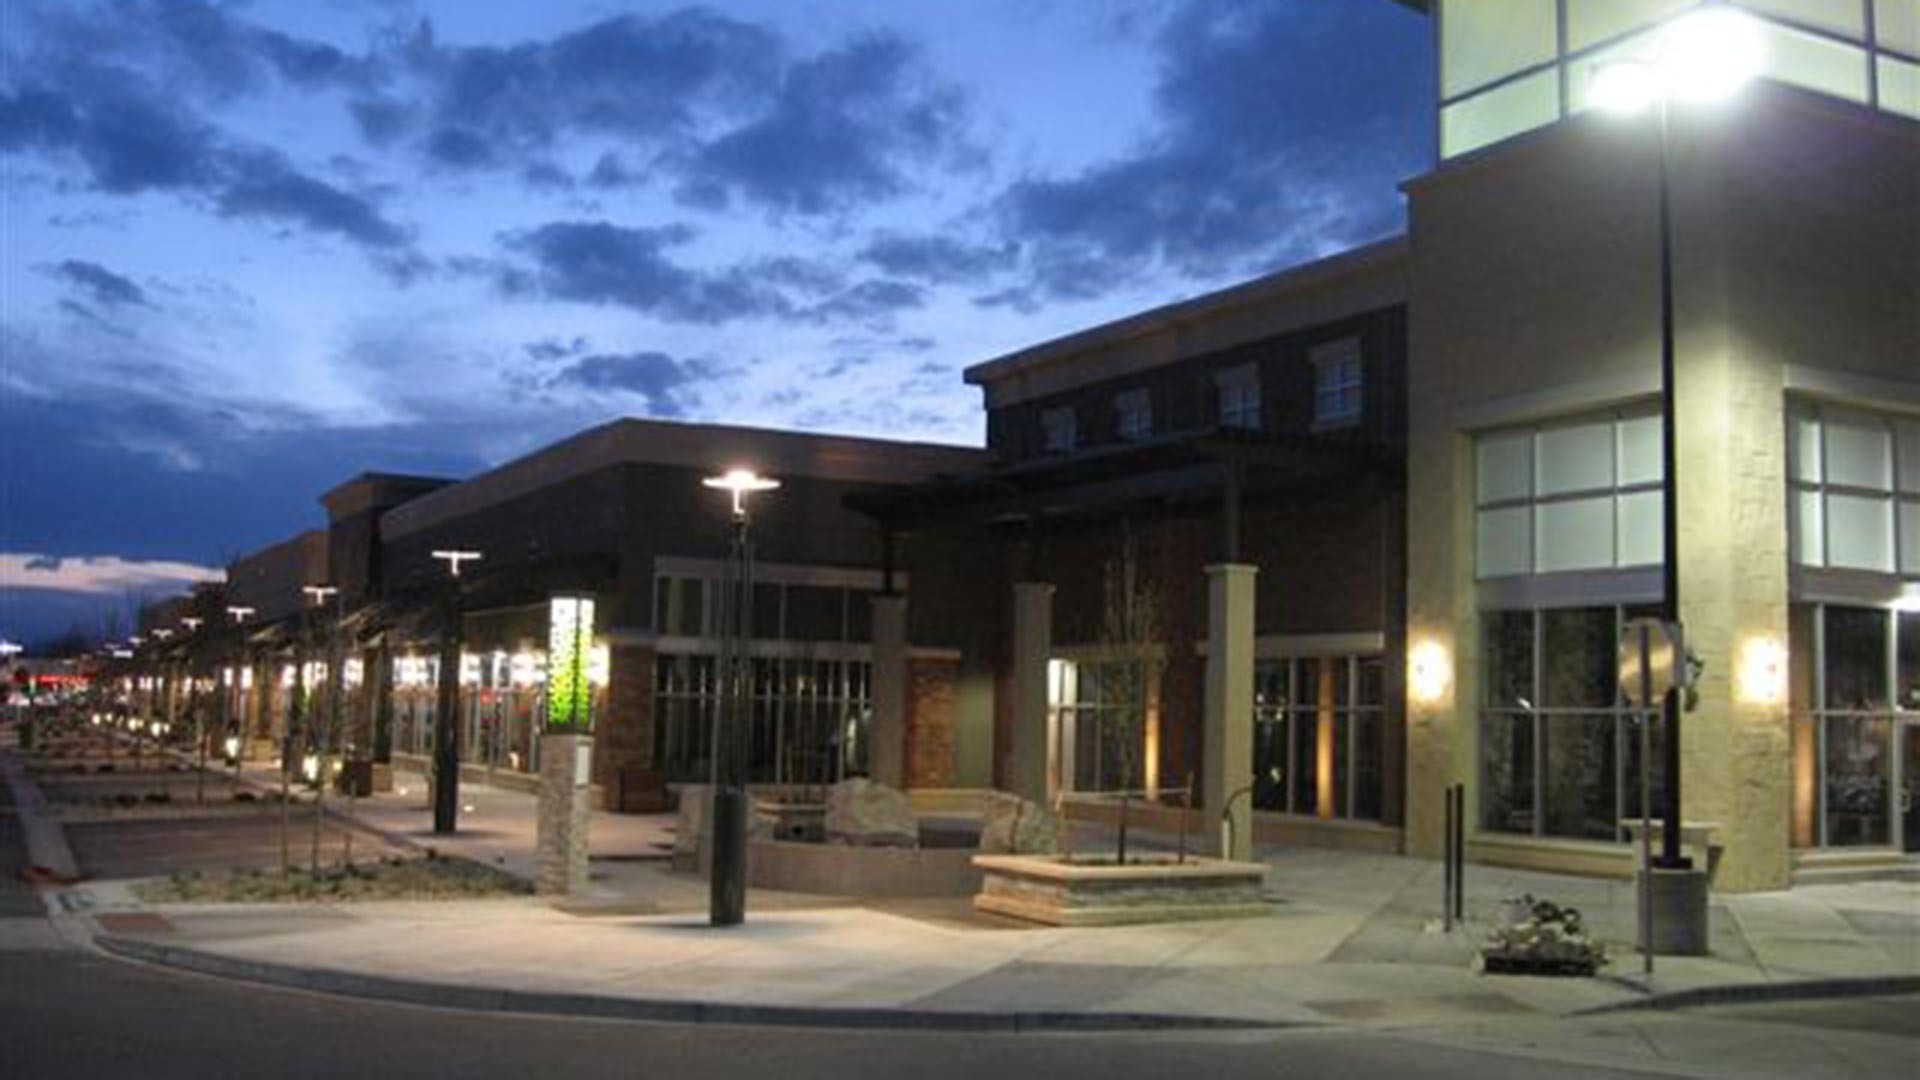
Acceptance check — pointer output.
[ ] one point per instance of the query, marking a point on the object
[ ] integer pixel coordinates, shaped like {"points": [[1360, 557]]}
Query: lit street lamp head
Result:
{"points": [[240, 613], [319, 594], [741, 483], [455, 559], [1705, 56], [192, 624]]}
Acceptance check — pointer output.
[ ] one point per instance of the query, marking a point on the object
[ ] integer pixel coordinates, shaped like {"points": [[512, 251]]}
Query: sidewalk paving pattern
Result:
{"points": [[1351, 940]]}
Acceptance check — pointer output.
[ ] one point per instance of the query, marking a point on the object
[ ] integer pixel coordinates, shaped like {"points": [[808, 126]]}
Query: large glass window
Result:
{"points": [[796, 611], [1097, 714], [1559, 752], [1059, 432], [1501, 113], [1580, 495], [1896, 23], [808, 724], [1868, 682], [1318, 736], [1590, 22], [1855, 490], [1486, 40]]}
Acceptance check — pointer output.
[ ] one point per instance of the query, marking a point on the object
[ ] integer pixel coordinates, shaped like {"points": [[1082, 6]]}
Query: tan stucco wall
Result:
{"points": [[1797, 238]]}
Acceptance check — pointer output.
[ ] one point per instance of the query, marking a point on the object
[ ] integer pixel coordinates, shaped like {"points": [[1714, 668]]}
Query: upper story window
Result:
{"points": [[1854, 481], [1239, 397], [1573, 495], [1059, 432], [1337, 384], [1133, 414]]}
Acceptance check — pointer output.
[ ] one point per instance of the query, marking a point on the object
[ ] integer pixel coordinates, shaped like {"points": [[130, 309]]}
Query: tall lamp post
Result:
{"points": [[235, 727], [1700, 58], [727, 903], [192, 626], [446, 719]]}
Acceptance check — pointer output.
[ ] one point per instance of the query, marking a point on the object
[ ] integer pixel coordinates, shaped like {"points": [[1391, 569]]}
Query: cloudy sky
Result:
{"points": [[251, 249]]}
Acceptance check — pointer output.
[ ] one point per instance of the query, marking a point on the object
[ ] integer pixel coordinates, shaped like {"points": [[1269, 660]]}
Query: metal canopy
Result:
{"points": [[1177, 468]]}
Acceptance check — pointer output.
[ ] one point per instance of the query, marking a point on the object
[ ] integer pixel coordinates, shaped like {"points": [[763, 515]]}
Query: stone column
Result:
{"points": [[887, 751], [1027, 772], [1227, 754], [560, 852]]}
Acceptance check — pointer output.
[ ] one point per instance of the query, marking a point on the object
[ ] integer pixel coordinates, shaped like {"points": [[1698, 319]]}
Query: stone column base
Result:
{"points": [[560, 852], [1679, 904]]}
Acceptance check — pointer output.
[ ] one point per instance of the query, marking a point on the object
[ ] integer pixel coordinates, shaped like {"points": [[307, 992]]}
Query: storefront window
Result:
{"points": [[1857, 779], [809, 719], [1559, 753], [1909, 692], [1856, 660], [1318, 736]]}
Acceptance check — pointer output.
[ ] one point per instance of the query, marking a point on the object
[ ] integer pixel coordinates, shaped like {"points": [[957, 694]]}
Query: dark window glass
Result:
{"points": [[860, 615], [1856, 659], [1579, 772], [816, 613], [1506, 772], [1509, 648], [766, 612], [1366, 765], [1910, 660], [1578, 658], [680, 606], [1372, 674]]}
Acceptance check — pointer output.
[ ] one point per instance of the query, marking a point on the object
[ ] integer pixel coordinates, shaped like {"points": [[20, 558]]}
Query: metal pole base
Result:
{"points": [[446, 796], [728, 900], [1679, 902]]}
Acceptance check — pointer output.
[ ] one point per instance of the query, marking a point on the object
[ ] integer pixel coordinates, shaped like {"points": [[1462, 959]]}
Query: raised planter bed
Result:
{"points": [[849, 870], [1050, 890]]}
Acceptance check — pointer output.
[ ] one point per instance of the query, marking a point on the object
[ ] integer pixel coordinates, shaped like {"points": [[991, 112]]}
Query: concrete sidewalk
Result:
{"points": [[1352, 939]]}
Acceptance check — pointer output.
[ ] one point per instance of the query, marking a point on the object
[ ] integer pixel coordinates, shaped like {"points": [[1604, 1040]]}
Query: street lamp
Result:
{"points": [[230, 699], [727, 903], [1700, 58], [446, 724]]}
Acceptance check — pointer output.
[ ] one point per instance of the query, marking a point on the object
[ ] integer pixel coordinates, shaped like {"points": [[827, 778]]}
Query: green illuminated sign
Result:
{"points": [[569, 653]]}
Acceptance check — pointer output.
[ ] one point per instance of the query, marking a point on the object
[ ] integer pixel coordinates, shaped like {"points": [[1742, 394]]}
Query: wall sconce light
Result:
{"points": [[310, 768], [1761, 673], [1429, 672], [232, 746]]}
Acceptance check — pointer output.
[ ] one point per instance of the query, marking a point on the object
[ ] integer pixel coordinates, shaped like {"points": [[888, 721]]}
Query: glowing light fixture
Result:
{"points": [[456, 559], [232, 747], [740, 483], [310, 768], [1761, 672], [1429, 672], [1704, 56], [569, 659]]}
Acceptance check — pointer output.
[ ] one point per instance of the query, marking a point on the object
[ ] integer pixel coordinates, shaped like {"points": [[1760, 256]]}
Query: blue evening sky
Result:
{"points": [[252, 249]]}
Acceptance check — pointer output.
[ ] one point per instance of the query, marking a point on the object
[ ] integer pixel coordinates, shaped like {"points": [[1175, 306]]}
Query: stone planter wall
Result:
{"points": [[847, 870], [1044, 889]]}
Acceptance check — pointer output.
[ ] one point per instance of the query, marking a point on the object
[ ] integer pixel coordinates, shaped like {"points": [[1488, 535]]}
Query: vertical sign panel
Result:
{"points": [[569, 651]]}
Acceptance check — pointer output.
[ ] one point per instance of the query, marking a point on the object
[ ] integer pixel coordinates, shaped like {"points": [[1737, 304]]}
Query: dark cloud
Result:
{"points": [[629, 76], [938, 259], [380, 121], [130, 142], [843, 128], [668, 385], [271, 189], [870, 301], [602, 263], [103, 285], [1275, 146], [611, 172], [192, 45], [459, 147]]}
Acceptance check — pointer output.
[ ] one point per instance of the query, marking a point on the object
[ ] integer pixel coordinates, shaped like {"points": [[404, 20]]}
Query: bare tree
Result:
{"points": [[1129, 636]]}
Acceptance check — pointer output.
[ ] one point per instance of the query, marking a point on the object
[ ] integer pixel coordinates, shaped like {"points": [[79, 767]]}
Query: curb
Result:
{"points": [[537, 1003], [1762, 993], [47, 851]]}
